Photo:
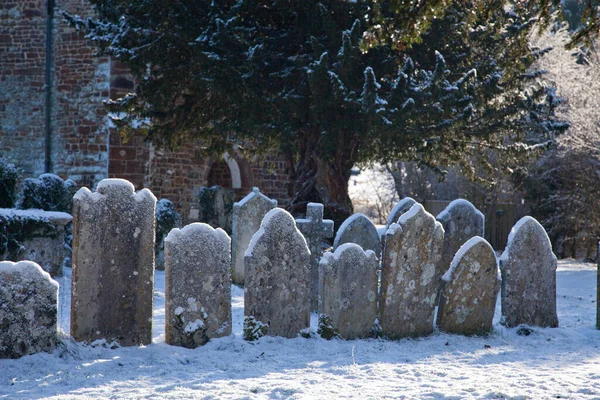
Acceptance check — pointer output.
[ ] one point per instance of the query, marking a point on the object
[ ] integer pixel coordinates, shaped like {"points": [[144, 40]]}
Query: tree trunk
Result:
{"points": [[317, 180]]}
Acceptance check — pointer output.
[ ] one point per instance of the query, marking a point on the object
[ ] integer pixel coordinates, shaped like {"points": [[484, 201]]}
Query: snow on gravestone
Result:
{"points": [[247, 216], [410, 274], [277, 288], [360, 230], [528, 269], [400, 208], [315, 229], [469, 290], [197, 285], [461, 221], [28, 309], [348, 282], [113, 264]]}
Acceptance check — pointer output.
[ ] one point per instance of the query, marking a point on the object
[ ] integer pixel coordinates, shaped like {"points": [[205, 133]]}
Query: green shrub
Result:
{"points": [[48, 192], [8, 184]]}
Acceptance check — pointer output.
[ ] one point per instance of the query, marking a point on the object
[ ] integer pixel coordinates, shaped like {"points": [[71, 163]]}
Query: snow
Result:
{"points": [[274, 213], [345, 225], [332, 256], [393, 229], [460, 202], [176, 234], [513, 234], [414, 210], [28, 271], [397, 207], [461, 253], [56, 217], [549, 363], [251, 195], [107, 184]]}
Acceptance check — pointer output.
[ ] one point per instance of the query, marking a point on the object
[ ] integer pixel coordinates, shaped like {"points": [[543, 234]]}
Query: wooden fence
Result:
{"points": [[499, 220]]}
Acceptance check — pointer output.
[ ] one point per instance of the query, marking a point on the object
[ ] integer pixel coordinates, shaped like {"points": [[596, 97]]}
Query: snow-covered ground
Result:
{"points": [[550, 363]]}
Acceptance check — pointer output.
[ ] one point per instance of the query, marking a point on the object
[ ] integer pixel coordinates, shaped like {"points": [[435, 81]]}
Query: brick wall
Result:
{"points": [[22, 79], [82, 82], [84, 146]]}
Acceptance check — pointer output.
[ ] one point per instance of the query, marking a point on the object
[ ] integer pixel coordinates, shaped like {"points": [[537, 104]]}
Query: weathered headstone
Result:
{"points": [[528, 268], [28, 309], [113, 264], [247, 215], [315, 229], [216, 207], [359, 229], [461, 221], [197, 285], [277, 288], [469, 290], [400, 208], [348, 282], [410, 274], [34, 235]]}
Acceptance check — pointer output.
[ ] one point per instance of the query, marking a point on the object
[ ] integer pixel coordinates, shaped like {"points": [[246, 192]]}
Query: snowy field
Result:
{"points": [[550, 363]]}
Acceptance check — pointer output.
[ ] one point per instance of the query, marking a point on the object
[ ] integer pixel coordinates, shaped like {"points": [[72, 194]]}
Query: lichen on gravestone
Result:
{"points": [[197, 285], [528, 268], [28, 310], [410, 274], [113, 264], [277, 274]]}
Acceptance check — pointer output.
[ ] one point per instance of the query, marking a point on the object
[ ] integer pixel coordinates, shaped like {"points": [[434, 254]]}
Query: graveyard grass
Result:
{"points": [[549, 363]]}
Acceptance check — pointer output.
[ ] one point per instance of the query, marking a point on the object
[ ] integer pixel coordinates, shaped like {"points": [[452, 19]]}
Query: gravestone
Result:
{"points": [[400, 208], [469, 290], [247, 216], [28, 309], [35, 235], [410, 274], [348, 284], [197, 285], [360, 230], [461, 221], [315, 229], [216, 207], [113, 264], [528, 268], [277, 288]]}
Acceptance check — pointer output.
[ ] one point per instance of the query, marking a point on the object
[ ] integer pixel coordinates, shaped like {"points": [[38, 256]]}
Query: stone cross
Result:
{"points": [[315, 229]]}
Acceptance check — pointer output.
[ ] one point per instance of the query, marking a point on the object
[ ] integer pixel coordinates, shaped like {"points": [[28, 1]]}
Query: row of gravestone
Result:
{"points": [[112, 282]]}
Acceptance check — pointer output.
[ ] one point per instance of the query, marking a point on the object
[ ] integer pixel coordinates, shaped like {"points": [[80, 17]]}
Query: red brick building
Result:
{"points": [[52, 118]]}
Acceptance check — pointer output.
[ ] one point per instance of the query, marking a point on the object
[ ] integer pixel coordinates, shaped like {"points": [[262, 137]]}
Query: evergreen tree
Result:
{"points": [[293, 76]]}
